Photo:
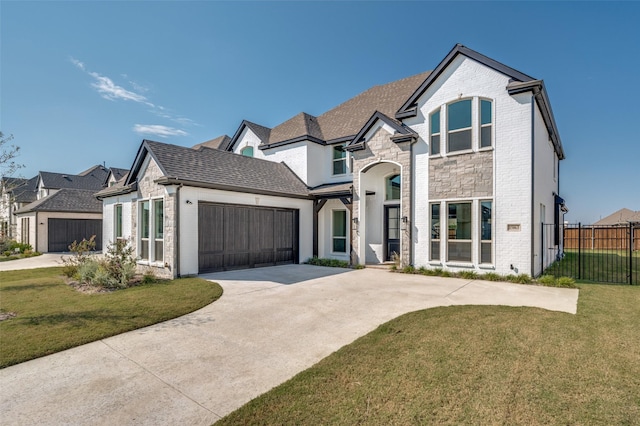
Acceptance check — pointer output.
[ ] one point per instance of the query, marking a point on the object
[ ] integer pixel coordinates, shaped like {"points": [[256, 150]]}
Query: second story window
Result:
{"points": [[486, 122], [392, 190], [247, 151], [435, 133], [459, 126], [339, 160]]}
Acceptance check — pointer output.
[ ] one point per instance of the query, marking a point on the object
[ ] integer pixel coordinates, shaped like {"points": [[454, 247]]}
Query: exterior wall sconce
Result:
{"points": [[355, 220], [405, 219], [189, 202]]}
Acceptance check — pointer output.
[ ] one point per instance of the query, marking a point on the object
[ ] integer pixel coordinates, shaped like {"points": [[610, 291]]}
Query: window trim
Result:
{"points": [[490, 124], [150, 238], [461, 240], [480, 240], [461, 129], [431, 231], [342, 159], [438, 134], [339, 237], [246, 148], [116, 208], [387, 186]]}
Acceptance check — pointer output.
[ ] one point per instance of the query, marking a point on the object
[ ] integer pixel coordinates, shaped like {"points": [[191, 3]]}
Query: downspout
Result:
{"points": [[35, 246], [533, 180], [411, 204], [176, 240]]}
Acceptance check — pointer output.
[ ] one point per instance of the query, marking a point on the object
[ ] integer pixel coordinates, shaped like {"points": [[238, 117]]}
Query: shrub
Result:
{"points": [[119, 264], [548, 280], [491, 276], [567, 282], [519, 279], [86, 271], [445, 274], [468, 275], [149, 277], [409, 269], [334, 263]]}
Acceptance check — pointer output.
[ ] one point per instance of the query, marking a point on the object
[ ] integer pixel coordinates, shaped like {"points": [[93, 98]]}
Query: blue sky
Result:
{"points": [[83, 83]]}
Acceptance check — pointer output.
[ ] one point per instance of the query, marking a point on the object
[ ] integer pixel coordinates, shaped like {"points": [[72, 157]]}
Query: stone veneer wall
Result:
{"points": [[461, 176], [147, 189], [380, 147]]}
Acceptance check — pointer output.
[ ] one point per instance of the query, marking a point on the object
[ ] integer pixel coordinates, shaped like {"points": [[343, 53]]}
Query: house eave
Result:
{"points": [[291, 141], [166, 181]]}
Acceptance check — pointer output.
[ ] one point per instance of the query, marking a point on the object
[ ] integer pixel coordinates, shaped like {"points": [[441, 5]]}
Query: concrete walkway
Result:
{"points": [[270, 324], [45, 260]]}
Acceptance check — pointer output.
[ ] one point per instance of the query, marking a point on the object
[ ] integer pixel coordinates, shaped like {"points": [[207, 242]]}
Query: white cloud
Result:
{"points": [[108, 89], [158, 130]]}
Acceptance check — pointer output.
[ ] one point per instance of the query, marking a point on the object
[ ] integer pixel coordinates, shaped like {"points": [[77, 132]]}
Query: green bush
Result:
{"points": [[468, 275], [567, 282], [87, 271], [491, 276], [409, 269], [149, 277], [548, 280], [334, 263]]}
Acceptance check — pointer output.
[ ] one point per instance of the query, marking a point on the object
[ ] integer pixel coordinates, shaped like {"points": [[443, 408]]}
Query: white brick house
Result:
{"points": [[454, 168]]}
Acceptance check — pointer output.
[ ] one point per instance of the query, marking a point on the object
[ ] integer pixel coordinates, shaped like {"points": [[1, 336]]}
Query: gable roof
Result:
{"points": [[22, 190], [339, 124], [117, 173], [220, 142], [622, 216], [93, 179], [66, 200], [212, 168], [400, 130]]}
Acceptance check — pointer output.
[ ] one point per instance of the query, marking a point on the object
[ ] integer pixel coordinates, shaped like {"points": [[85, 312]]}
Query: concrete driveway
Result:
{"points": [[270, 324], [45, 260]]}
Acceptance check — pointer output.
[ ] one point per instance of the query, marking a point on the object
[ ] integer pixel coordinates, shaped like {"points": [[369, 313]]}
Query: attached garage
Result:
{"points": [[237, 236], [63, 232]]}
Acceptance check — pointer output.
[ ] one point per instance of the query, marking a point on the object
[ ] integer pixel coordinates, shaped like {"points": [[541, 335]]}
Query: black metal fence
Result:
{"points": [[606, 254]]}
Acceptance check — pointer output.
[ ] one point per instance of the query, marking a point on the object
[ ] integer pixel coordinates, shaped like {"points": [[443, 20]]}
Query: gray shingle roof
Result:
{"points": [[118, 173], [94, 179], [225, 170], [343, 121], [66, 200], [328, 189], [220, 142], [622, 216], [22, 190]]}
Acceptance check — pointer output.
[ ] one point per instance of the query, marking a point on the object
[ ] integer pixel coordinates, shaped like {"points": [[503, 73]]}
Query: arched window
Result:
{"points": [[392, 187], [247, 151]]}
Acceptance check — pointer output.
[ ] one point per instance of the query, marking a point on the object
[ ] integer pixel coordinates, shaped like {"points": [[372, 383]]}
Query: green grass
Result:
{"points": [[476, 365], [51, 316], [604, 266]]}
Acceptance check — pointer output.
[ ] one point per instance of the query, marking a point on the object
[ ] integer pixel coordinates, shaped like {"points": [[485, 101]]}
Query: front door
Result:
{"points": [[391, 231]]}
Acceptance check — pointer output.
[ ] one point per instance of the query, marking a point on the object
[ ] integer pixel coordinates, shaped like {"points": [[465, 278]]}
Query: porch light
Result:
{"points": [[355, 220], [405, 219]]}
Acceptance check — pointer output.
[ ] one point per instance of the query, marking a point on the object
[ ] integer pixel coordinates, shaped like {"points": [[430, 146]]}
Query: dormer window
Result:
{"points": [[339, 160], [247, 151]]}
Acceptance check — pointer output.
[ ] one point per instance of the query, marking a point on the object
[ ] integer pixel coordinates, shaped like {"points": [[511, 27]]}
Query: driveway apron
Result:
{"points": [[270, 324]]}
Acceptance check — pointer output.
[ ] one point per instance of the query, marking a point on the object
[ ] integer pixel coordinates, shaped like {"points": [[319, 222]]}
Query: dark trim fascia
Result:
{"points": [[176, 181], [377, 115], [411, 138], [143, 151], [540, 94], [331, 195], [290, 141], [340, 140], [236, 135], [120, 191], [407, 110], [355, 147]]}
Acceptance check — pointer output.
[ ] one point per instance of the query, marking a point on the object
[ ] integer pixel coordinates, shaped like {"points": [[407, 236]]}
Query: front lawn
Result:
{"points": [[51, 316], [476, 365]]}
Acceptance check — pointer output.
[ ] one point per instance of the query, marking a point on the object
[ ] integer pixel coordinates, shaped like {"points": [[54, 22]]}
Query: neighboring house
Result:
{"points": [[620, 218], [15, 193], [65, 209], [456, 168]]}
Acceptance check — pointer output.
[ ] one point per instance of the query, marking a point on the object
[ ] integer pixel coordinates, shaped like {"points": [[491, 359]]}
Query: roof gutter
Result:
{"points": [[177, 181]]}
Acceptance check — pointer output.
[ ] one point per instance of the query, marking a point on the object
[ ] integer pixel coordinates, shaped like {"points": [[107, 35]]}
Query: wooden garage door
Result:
{"points": [[236, 237], [63, 232]]}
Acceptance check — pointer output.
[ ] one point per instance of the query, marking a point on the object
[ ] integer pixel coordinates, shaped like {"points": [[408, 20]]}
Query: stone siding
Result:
{"points": [[461, 176]]}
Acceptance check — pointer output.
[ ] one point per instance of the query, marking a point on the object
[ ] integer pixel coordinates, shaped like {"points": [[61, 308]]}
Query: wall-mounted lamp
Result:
{"points": [[189, 202], [405, 219], [355, 220]]}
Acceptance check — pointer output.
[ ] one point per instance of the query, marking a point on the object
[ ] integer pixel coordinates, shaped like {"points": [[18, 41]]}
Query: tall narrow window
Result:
{"points": [[435, 133], [435, 232], [247, 151], [339, 160], [459, 126], [117, 213], [459, 232], [340, 231], [486, 123], [24, 231], [392, 190], [158, 226], [486, 214], [144, 230]]}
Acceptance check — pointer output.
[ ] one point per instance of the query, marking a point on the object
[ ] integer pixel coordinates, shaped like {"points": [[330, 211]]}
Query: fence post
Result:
{"points": [[579, 250], [630, 254]]}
